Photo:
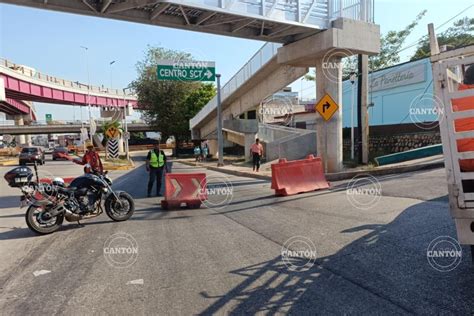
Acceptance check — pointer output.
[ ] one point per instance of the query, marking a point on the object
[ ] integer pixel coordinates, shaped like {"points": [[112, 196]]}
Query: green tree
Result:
{"points": [[168, 105], [198, 98], [391, 44], [460, 34]]}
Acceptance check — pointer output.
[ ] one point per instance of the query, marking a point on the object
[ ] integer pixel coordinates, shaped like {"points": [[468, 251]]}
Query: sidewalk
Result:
{"points": [[245, 169]]}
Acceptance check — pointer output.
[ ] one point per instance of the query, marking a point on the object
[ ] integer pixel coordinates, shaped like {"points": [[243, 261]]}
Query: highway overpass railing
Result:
{"points": [[255, 63], [34, 74]]}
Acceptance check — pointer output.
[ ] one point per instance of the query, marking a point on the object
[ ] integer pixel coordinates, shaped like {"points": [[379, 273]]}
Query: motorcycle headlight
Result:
{"points": [[105, 190], [109, 181]]}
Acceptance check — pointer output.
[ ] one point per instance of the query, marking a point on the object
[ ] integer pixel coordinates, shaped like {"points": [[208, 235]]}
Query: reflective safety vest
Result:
{"points": [[156, 161]]}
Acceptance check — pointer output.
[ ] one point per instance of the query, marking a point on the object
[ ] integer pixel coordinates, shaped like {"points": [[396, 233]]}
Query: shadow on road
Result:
{"points": [[9, 201], [385, 271], [17, 233]]}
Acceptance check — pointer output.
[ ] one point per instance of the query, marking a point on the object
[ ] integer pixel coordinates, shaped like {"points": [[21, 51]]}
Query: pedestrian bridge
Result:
{"points": [[280, 21]]}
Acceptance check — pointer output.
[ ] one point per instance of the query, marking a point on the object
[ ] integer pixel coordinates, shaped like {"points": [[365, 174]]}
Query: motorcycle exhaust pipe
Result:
{"points": [[72, 217]]}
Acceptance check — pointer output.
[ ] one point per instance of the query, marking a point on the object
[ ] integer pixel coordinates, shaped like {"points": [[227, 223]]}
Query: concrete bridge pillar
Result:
{"points": [[20, 139], [329, 133], [213, 149]]}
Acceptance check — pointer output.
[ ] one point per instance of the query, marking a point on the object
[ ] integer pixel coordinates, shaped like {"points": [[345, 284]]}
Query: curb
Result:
{"points": [[121, 167], [330, 176], [10, 162]]}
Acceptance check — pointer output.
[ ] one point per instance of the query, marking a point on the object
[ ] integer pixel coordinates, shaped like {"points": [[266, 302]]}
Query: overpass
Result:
{"points": [[281, 21], [64, 128], [16, 107], [20, 82]]}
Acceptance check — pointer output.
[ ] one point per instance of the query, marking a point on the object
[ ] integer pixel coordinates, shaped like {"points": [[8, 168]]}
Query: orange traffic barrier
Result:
{"points": [[463, 125], [298, 176], [188, 188]]}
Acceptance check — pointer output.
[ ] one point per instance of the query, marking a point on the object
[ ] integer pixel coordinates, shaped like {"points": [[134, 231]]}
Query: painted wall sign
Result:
{"points": [[402, 77]]}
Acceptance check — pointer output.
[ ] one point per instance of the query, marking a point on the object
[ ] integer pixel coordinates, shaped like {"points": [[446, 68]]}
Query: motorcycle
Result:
{"points": [[51, 201]]}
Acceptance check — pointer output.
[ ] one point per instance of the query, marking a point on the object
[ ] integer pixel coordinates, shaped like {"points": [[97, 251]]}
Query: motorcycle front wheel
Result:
{"points": [[119, 209], [39, 220]]}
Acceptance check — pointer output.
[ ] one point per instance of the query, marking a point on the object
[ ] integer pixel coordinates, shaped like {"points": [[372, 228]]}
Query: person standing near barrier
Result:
{"points": [[256, 152], [197, 153], [205, 152], [155, 164]]}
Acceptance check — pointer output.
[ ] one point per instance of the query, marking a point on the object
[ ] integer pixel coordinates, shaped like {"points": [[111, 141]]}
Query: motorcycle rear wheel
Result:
{"points": [[38, 222]]}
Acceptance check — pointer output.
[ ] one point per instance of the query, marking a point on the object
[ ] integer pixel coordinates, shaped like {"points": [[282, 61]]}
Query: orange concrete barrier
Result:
{"points": [[298, 176], [188, 188]]}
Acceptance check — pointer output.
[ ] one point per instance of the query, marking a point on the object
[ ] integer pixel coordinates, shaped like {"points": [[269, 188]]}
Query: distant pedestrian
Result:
{"points": [[256, 152], [205, 152], [155, 164], [197, 153]]}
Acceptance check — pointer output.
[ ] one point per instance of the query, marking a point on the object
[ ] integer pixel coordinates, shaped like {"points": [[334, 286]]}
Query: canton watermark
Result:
{"points": [[444, 254], [276, 109], [216, 191], [426, 111], [364, 191], [42, 185], [193, 61], [121, 250], [332, 63], [299, 253]]}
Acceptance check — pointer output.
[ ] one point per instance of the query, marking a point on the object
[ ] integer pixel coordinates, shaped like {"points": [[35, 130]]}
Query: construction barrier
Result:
{"points": [[298, 176], [187, 188]]}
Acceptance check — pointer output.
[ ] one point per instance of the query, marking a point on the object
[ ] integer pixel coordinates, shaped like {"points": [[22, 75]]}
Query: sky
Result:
{"points": [[50, 42]]}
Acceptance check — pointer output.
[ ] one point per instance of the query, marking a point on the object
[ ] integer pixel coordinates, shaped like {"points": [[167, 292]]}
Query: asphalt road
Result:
{"points": [[226, 258]]}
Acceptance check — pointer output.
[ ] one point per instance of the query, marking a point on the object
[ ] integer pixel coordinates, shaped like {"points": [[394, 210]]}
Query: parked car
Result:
{"points": [[31, 155], [58, 152]]}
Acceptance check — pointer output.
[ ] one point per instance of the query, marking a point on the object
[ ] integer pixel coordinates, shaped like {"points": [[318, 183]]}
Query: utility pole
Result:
{"points": [[362, 114], [125, 123], [353, 77], [220, 140]]}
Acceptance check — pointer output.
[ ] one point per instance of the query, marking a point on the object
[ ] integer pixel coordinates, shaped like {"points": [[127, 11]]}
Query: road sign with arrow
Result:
{"points": [[183, 70], [326, 107]]}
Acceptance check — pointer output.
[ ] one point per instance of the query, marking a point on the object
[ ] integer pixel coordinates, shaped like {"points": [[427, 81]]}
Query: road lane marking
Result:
{"points": [[137, 281], [41, 272]]}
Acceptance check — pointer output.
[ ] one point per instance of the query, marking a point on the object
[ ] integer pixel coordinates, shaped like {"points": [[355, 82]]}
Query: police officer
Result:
{"points": [[155, 163]]}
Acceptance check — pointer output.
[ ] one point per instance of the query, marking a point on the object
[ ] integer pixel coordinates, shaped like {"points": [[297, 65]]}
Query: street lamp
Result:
{"points": [[86, 49], [110, 64]]}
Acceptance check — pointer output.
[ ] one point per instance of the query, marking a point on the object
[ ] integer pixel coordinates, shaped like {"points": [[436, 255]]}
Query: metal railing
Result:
{"points": [[255, 63], [42, 123], [309, 13], [32, 73]]}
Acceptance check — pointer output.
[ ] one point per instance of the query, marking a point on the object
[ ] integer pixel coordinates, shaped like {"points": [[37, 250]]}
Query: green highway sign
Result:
{"points": [[49, 117], [186, 70]]}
